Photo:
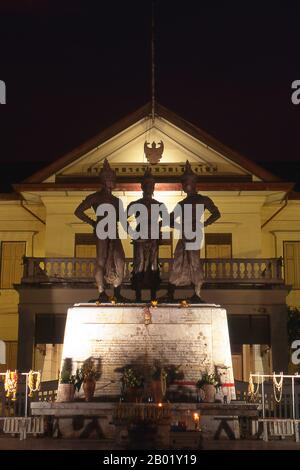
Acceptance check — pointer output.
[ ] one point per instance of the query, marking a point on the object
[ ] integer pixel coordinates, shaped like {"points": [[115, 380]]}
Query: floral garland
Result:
{"points": [[163, 380], [34, 382], [10, 384], [277, 387], [252, 393]]}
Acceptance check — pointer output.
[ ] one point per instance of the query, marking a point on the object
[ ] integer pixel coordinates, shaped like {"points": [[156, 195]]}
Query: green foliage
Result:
{"points": [[208, 379], [137, 374], [131, 376], [78, 379], [131, 379], [66, 376], [89, 370]]}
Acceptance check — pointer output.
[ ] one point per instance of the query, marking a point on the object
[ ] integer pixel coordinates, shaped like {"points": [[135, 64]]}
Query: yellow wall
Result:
{"points": [[284, 227], [16, 224], [241, 215]]}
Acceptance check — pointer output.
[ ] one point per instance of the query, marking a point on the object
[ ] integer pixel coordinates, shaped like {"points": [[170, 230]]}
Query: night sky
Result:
{"points": [[73, 68]]}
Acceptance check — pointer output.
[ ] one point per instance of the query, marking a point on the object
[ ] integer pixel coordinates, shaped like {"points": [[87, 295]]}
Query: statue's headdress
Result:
{"points": [[188, 174], [147, 177], [107, 173]]}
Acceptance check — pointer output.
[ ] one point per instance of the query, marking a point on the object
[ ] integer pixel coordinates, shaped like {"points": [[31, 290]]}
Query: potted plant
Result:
{"points": [[132, 382], [89, 374], [66, 386], [208, 383]]}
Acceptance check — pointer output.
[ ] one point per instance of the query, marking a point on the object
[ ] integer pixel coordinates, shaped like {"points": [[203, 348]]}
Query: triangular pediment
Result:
{"points": [[123, 146]]}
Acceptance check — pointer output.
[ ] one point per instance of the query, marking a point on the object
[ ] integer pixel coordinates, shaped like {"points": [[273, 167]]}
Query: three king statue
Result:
{"points": [[186, 268]]}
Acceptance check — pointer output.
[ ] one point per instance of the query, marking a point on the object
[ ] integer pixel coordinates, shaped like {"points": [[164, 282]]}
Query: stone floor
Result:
{"points": [[10, 443]]}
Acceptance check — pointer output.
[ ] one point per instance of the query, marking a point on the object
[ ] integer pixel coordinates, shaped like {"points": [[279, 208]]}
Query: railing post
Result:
{"points": [[26, 395], [263, 395], [239, 270], [293, 396]]}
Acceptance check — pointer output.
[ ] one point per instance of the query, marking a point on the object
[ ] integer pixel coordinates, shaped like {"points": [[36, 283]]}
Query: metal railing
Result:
{"points": [[216, 270], [286, 408], [15, 408], [272, 408]]}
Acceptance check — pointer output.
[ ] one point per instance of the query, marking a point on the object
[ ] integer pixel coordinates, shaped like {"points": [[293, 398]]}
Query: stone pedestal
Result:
{"points": [[96, 420], [194, 337]]}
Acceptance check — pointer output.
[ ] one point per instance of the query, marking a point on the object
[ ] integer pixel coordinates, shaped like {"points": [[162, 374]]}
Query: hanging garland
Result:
{"points": [[251, 388], [10, 384], [34, 382], [163, 380], [277, 387]]}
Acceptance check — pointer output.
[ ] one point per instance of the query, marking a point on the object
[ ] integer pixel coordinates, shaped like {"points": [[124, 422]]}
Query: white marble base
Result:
{"points": [[194, 337]]}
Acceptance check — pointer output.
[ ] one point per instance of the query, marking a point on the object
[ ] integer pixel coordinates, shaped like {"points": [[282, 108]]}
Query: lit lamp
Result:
{"points": [[196, 419]]}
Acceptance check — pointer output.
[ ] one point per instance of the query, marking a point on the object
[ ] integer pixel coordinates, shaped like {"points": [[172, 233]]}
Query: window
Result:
{"points": [[218, 245], [50, 329], [166, 247], [249, 329], [292, 263], [85, 246], [250, 344], [11, 356], [11, 263]]}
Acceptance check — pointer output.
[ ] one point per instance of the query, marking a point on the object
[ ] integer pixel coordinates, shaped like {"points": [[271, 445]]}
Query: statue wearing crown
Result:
{"points": [[187, 269], [145, 242], [110, 254]]}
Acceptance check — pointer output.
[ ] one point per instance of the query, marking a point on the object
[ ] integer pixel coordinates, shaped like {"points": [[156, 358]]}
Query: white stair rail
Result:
{"points": [[23, 425], [277, 426]]}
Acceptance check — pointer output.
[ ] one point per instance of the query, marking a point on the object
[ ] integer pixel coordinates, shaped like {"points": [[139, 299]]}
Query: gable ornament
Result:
{"points": [[154, 152]]}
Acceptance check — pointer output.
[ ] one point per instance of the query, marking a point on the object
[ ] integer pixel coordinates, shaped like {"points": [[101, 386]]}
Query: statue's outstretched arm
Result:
{"points": [[80, 212], [128, 217], [214, 212]]}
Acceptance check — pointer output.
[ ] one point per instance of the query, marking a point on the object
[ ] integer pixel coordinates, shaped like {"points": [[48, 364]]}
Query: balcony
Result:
{"points": [[237, 271]]}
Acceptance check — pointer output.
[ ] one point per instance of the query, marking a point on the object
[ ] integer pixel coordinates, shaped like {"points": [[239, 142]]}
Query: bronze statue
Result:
{"points": [[145, 248], [187, 267], [110, 254]]}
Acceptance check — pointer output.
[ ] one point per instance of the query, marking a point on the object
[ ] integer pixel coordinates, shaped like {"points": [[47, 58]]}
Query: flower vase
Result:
{"points": [[156, 390], [131, 394], [65, 393], [89, 389], [210, 393]]}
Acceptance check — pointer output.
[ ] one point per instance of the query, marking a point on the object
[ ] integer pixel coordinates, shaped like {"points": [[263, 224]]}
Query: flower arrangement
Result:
{"points": [[131, 378], [88, 371], [208, 379]]}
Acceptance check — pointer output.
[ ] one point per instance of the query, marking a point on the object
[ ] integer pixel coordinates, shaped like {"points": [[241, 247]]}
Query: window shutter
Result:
{"points": [[11, 263], [292, 263]]}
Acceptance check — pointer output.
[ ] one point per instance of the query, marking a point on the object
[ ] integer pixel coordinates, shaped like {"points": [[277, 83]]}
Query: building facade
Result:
{"points": [[251, 255]]}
